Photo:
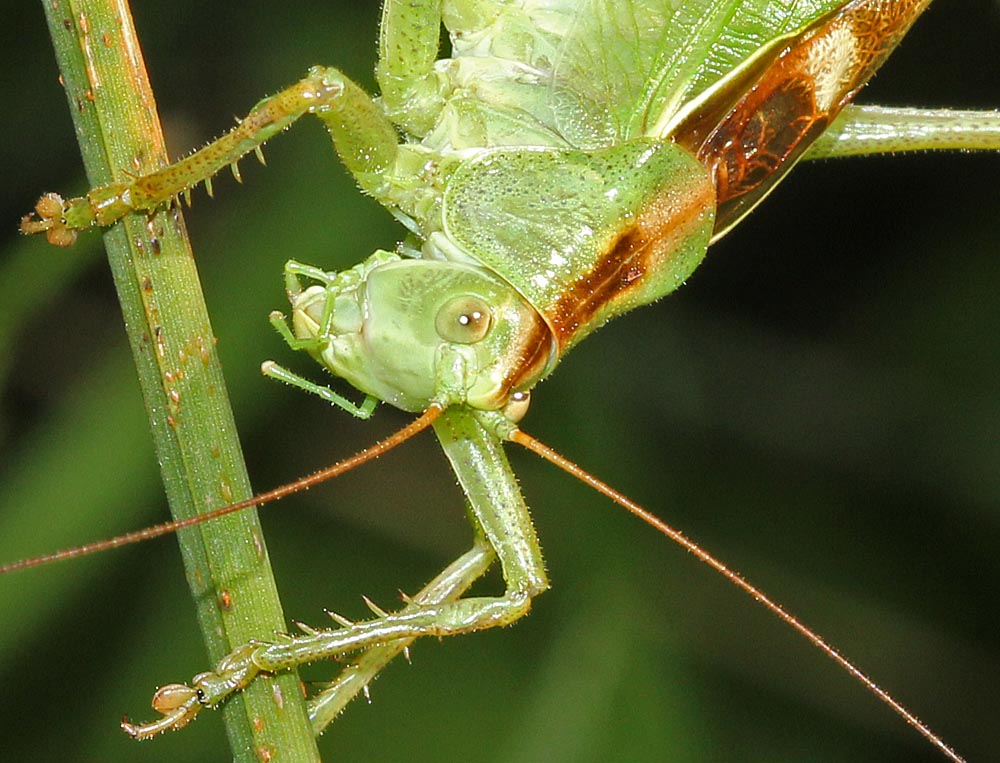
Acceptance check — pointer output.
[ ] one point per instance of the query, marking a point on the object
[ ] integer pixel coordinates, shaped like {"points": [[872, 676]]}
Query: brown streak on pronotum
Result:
{"points": [[641, 248]]}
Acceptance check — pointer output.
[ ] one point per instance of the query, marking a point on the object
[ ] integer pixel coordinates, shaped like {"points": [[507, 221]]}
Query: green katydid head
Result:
{"points": [[411, 332], [530, 251]]}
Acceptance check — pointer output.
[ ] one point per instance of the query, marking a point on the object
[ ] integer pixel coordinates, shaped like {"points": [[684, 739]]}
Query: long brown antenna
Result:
{"points": [[736, 579], [382, 446]]}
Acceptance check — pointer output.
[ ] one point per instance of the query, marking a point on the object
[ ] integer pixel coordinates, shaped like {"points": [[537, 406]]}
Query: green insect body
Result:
{"points": [[385, 334], [604, 231], [569, 162], [583, 233]]}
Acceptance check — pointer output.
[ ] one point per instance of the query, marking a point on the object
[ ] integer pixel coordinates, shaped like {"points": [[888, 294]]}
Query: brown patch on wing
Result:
{"points": [[642, 248], [755, 148], [774, 119]]}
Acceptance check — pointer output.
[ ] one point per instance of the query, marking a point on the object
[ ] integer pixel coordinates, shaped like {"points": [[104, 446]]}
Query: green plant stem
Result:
{"points": [[174, 350]]}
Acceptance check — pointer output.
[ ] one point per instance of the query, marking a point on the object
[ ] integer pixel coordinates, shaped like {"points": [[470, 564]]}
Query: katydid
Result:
{"points": [[476, 218]]}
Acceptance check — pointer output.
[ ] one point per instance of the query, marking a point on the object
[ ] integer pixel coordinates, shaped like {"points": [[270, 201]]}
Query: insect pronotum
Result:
{"points": [[712, 420]]}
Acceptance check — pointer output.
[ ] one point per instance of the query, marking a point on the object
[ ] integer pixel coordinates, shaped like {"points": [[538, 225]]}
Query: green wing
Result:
{"points": [[610, 69], [633, 63]]}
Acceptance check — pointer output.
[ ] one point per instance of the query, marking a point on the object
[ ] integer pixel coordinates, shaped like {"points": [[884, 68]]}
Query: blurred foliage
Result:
{"points": [[818, 406]]}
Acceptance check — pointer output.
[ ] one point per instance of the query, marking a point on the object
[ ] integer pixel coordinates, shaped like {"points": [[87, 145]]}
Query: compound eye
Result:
{"points": [[464, 320]]}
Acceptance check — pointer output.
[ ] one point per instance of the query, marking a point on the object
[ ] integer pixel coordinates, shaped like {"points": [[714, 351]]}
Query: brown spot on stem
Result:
{"points": [[278, 696], [203, 351], [161, 348]]}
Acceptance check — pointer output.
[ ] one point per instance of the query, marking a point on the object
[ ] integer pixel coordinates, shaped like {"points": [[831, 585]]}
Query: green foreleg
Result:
{"points": [[498, 513], [448, 586], [273, 370]]}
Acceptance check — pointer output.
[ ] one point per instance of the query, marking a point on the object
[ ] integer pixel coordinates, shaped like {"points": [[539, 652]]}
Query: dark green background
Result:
{"points": [[819, 406]]}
